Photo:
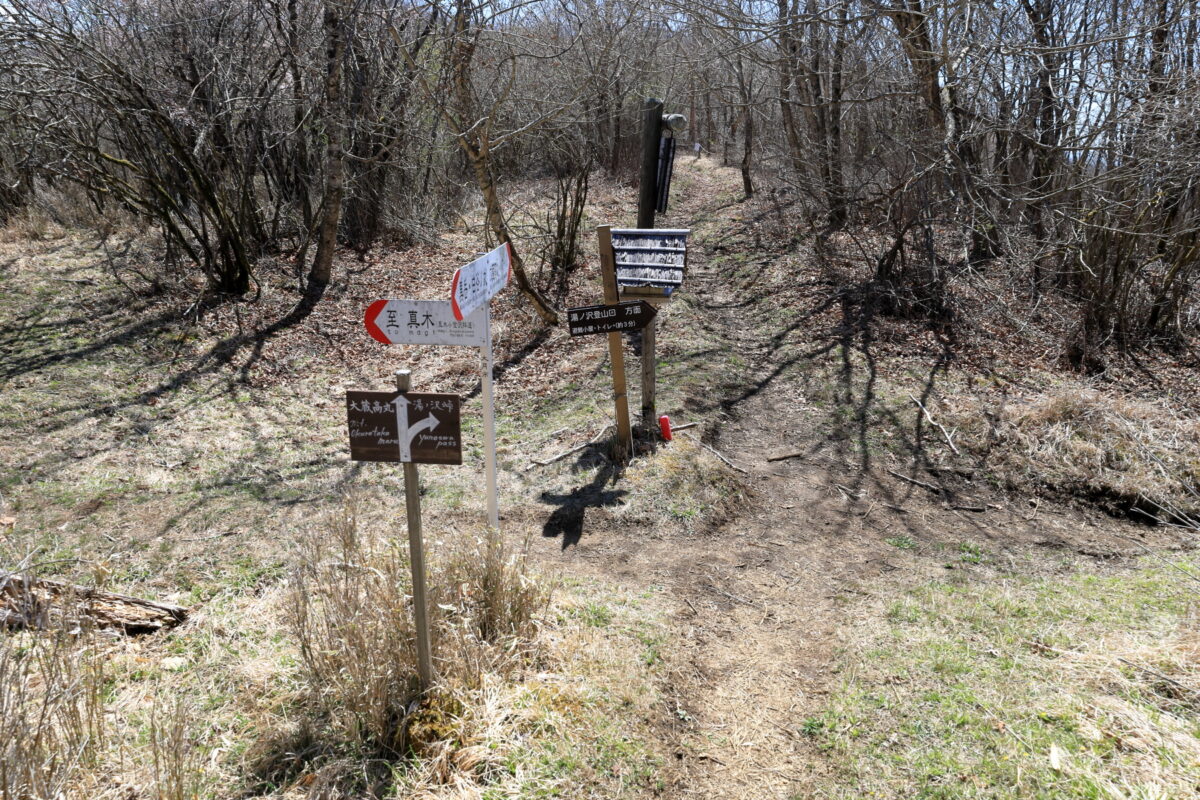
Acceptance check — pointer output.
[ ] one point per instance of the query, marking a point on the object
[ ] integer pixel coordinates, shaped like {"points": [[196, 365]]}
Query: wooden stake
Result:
{"points": [[608, 271], [416, 556]]}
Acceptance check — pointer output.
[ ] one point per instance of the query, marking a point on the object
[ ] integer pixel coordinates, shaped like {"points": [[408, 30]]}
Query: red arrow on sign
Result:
{"points": [[373, 312]]}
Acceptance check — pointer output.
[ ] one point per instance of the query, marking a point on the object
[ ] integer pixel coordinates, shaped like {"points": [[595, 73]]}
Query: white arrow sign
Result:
{"points": [[479, 281], [410, 432], [423, 322], [427, 424]]}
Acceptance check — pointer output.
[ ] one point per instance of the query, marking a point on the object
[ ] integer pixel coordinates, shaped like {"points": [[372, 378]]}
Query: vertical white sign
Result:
{"points": [[479, 281]]}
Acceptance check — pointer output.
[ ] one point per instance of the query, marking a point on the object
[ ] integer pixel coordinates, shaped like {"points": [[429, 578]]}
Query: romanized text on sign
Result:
{"points": [[423, 322]]}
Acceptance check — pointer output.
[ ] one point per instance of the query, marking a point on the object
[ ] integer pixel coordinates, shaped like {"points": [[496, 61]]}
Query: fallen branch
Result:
{"points": [[915, 482], [785, 456], [566, 453], [723, 458], [27, 602], [730, 595], [929, 418], [849, 494]]}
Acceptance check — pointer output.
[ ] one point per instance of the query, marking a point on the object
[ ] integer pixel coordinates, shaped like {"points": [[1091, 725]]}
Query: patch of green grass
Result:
{"points": [[1021, 688], [971, 552], [595, 614], [902, 542]]}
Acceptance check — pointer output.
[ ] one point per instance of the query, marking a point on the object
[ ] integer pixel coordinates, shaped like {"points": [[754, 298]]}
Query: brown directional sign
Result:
{"points": [[630, 316], [428, 429]]}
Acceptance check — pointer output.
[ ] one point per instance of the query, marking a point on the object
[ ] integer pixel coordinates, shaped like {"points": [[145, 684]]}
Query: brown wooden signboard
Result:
{"points": [[427, 429]]}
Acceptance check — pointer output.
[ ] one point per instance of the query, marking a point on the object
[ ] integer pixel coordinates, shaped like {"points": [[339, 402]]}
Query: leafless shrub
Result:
{"points": [[177, 768]]}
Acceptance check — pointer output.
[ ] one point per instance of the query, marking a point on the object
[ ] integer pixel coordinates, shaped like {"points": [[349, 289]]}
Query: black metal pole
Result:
{"points": [[647, 186], [652, 122]]}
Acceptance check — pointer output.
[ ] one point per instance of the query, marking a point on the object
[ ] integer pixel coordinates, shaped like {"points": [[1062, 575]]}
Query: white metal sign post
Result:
{"points": [[471, 290], [489, 421]]}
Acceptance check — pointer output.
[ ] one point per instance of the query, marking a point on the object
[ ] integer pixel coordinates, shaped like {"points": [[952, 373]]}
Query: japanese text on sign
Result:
{"points": [[479, 281], [649, 257], [629, 316], [423, 322], [417, 428]]}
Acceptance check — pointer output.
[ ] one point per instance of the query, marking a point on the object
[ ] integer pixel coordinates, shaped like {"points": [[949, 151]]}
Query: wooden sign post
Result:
{"points": [[413, 429], [652, 126], [608, 270], [654, 184], [416, 550], [650, 266]]}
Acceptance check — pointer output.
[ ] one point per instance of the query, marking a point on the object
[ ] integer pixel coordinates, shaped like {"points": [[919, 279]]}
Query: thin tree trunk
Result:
{"points": [[334, 162]]}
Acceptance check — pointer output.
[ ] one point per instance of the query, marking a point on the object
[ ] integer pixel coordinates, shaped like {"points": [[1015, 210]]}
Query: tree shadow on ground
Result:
{"points": [[29, 344]]}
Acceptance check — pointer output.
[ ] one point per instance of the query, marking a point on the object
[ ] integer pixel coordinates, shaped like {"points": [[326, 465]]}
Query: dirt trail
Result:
{"points": [[758, 603]]}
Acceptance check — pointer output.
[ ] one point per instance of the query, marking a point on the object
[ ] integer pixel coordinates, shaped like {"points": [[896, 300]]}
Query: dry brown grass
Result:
{"points": [[1130, 454], [176, 759], [55, 213], [51, 711], [685, 482], [351, 613]]}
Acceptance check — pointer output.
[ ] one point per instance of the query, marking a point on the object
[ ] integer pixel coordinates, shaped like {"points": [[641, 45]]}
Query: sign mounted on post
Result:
{"points": [[404, 427], [630, 316], [423, 322], [649, 258], [479, 281]]}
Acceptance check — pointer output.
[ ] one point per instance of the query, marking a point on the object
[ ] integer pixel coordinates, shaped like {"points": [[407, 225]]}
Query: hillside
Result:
{"points": [[892, 559]]}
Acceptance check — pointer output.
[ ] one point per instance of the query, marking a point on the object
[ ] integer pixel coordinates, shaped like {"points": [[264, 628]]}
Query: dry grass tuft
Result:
{"points": [[1130, 454], [683, 481], [351, 613], [51, 712], [176, 759]]}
